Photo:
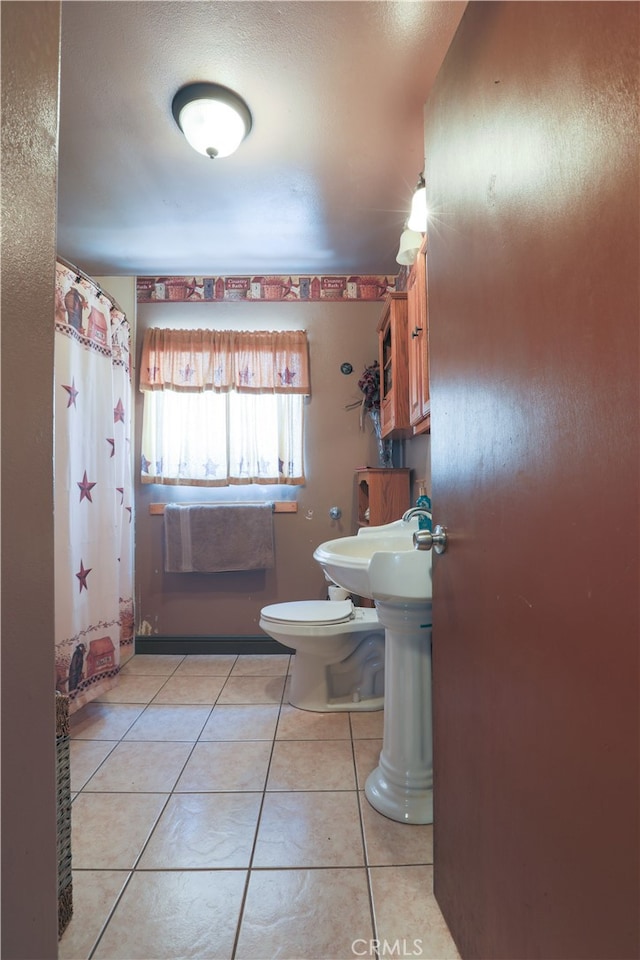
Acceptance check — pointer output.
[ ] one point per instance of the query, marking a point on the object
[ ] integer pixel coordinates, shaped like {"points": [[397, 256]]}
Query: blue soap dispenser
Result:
{"points": [[424, 523]]}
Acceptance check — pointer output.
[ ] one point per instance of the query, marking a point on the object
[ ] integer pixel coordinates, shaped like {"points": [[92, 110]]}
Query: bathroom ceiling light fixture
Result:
{"points": [[410, 241], [214, 119], [418, 215]]}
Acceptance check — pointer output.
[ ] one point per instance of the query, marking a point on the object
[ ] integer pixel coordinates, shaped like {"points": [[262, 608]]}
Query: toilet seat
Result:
{"points": [[309, 612]]}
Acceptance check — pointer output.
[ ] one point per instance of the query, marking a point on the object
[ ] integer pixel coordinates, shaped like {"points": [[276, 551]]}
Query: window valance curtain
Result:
{"points": [[223, 360]]}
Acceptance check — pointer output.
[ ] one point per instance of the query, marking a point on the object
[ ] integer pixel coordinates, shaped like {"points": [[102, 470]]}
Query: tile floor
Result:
{"points": [[211, 819]]}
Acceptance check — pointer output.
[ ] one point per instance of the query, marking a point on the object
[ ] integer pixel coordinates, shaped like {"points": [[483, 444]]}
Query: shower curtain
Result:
{"points": [[93, 489]]}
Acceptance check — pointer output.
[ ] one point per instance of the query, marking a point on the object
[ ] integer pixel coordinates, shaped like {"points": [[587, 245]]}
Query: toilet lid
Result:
{"points": [[309, 611]]}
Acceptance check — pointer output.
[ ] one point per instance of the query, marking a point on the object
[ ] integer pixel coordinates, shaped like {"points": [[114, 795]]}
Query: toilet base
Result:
{"points": [[331, 688]]}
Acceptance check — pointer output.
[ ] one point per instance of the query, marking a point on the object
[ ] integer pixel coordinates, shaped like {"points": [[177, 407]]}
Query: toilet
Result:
{"points": [[339, 660]]}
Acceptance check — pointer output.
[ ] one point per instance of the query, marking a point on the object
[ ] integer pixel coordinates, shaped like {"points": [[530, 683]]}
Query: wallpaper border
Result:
{"points": [[296, 289]]}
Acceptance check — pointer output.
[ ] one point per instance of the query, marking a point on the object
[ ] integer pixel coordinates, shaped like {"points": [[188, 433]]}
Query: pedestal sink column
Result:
{"points": [[401, 786]]}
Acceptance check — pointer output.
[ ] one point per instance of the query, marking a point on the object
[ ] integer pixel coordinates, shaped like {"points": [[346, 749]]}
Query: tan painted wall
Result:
{"points": [[30, 54], [123, 290], [229, 604]]}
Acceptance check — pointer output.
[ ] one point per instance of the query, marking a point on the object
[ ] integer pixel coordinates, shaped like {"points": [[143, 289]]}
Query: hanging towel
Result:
{"points": [[217, 537]]}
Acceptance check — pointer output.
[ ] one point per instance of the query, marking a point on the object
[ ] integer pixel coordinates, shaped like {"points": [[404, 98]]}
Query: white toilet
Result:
{"points": [[339, 661]]}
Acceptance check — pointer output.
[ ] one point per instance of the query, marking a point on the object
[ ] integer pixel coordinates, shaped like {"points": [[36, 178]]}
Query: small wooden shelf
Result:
{"points": [[383, 494]]}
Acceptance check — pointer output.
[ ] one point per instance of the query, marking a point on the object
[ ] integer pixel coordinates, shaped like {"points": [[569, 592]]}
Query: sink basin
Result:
{"points": [[380, 563]]}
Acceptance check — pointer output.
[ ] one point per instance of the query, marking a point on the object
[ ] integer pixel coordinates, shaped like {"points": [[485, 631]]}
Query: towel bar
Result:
{"points": [[279, 506]]}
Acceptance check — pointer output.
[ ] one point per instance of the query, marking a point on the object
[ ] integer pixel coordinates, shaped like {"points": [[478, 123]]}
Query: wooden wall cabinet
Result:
{"points": [[383, 494], [394, 368], [418, 344]]}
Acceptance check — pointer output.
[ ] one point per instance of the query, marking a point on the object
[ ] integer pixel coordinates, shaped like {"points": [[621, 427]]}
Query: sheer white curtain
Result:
{"points": [[223, 407]]}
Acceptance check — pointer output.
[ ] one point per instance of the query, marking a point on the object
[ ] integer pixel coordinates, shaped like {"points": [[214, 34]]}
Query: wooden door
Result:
{"points": [[532, 174]]}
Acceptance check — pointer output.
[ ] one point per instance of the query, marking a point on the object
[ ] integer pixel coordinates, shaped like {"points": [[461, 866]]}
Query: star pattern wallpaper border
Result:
{"points": [[312, 288]]}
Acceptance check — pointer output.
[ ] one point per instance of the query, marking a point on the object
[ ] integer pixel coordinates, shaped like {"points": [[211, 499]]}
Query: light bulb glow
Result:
{"points": [[418, 216], [212, 128]]}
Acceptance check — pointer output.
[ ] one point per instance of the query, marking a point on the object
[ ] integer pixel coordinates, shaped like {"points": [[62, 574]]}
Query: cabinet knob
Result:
{"points": [[416, 331]]}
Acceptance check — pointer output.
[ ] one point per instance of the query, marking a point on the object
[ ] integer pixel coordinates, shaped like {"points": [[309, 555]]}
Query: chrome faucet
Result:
{"points": [[426, 539], [415, 512]]}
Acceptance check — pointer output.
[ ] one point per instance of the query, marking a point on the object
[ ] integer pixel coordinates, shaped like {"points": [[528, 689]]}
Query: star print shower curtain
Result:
{"points": [[93, 489]]}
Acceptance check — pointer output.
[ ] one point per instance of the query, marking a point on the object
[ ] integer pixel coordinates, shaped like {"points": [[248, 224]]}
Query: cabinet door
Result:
{"points": [[421, 263], [418, 343], [387, 411], [415, 332], [394, 361]]}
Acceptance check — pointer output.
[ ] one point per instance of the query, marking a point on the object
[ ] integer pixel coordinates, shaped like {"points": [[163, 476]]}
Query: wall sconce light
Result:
{"points": [[214, 119], [418, 216], [410, 241]]}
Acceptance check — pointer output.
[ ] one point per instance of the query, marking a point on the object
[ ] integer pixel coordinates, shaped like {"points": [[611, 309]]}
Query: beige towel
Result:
{"points": [[216, 537]]}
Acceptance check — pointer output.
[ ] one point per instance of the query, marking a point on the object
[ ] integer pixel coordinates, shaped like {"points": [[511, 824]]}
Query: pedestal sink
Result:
{"points": [[381, 563]]}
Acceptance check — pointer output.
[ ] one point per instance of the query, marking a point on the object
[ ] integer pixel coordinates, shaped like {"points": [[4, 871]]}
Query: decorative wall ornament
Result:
{"points": [[281, 288]]}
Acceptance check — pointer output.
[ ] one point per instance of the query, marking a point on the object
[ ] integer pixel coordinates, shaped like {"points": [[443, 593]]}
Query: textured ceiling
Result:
{"points": [[324, 180]]}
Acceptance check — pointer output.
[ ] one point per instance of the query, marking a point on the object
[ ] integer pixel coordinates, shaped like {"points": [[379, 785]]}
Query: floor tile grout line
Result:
{"points": [[109, 916], [360, 800], [173, 790], [106, 703], [144, 845], [127, 881], [163, 808], [131, 871], [122, 740], [265, 869], [101, 764], [374, 918], [153, 702], [245, 891], [166, 680]]}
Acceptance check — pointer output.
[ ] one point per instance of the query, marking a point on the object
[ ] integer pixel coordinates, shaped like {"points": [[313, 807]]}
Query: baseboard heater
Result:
{"points": [[186, 645]]}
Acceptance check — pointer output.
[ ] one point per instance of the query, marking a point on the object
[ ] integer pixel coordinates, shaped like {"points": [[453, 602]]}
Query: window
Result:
{"points": [[223, 407]]}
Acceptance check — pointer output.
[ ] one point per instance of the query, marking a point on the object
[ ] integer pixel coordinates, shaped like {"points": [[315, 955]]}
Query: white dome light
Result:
{"points": [[214, 120]]}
